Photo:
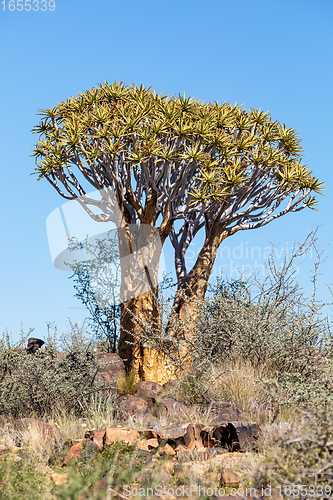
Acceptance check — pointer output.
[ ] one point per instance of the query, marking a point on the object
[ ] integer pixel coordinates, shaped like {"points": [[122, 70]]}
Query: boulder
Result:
{"points": [[131, 405], [113, 434], [84, 449], [168, 407], [192, 438], [185, 434], [111, 366], [148, 387], [166, 450], [149, 391], [97, 436], [152, 443], [207, 436], [229, 414], [148, 445], [149, 421], [34, 345], [235, 436], [174, 434], [59, 479], [147, 433]]}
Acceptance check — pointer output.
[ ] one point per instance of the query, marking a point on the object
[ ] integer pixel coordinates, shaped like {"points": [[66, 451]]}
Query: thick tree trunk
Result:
{"points": [[140, 250], [146, 362], [189, 296], [140, 317]]}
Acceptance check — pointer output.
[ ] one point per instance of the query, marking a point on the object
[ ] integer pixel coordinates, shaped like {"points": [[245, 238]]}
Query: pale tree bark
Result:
{"points": [[190, 294], [147, 363], [140, 249]]}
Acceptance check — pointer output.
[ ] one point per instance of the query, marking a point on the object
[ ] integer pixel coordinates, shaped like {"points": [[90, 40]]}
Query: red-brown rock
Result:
{"points": [[192, 438], [97, 436], [147, 433], [113, 434], [148, 444], [131, 405], [166, 450], [169, 407], [187, 435], [149, 391], [235, 436], [229, 414], [149, 421], [84, 448], [111, 366]]}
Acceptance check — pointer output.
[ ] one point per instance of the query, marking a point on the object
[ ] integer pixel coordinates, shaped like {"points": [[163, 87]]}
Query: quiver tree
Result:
{"points": [[175, 165]]}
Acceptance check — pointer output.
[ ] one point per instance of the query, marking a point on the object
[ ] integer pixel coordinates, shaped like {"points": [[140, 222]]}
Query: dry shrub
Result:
{"points": [[127, 384], [47, 381], [301, 456], [238, 384]]}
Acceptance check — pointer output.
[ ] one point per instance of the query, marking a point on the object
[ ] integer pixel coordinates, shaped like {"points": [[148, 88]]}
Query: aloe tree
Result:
{"points": [[179, 167]]}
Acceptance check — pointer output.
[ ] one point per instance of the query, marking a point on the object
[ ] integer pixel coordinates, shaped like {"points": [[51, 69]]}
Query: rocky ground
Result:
{"points": [[179, 447]]}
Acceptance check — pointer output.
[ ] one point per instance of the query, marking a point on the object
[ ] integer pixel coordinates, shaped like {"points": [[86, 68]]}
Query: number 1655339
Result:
{"points": [[27, 5]]}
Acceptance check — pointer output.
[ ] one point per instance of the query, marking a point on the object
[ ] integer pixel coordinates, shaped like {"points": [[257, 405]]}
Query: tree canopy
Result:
{"points": [[173, 158]]}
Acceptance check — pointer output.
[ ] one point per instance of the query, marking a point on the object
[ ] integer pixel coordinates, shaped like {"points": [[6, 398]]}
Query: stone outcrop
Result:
{"points": [[111, 366], [84, 447], [184, 437], [131, 405], [167, 407], [34, 345], [180, 444], [149, 391], [235, 436], [113, 434]]}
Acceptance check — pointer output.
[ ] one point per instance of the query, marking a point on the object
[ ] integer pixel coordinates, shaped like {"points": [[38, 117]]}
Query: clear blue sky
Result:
{"points": [[276, 55]]}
